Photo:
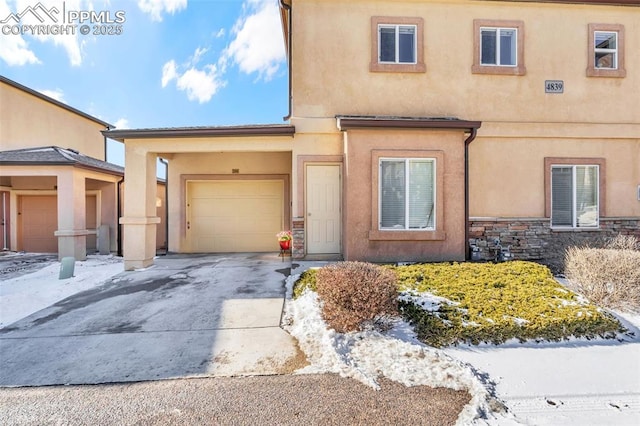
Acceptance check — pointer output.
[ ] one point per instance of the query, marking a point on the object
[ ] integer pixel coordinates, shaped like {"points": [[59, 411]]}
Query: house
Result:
{"points": [[58, 194], [417, 131]]}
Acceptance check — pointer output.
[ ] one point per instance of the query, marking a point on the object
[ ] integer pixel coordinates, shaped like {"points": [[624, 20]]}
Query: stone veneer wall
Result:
{"points": [[533, 238], [297, 250]]}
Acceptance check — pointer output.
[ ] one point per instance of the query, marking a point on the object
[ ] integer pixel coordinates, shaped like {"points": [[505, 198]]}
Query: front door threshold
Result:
{"points": [[324, 257]]}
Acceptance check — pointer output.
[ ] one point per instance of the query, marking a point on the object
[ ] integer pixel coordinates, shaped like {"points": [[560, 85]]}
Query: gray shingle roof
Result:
{"points": [[54, 155]]}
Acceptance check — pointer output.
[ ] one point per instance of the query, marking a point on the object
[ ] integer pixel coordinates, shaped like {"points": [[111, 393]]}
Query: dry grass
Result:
{"points": [[609, 276]]}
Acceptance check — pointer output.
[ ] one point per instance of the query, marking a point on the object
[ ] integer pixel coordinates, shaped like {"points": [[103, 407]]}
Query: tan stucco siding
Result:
{"points": [[331, 49], [362, 238], [506, 175], [27, 121]]}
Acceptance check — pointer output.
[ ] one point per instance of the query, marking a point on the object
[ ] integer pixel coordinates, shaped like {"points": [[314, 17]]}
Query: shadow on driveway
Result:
{"points": [[188, 315]]}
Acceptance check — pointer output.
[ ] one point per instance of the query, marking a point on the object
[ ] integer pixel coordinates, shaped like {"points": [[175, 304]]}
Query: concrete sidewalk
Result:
{"points": [[187, 316]]}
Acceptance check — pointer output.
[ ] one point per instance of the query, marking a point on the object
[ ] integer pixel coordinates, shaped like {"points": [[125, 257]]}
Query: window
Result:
{"points": [[407, 194], [574, 196], [498, 47], [606, 51], [396, 44]]}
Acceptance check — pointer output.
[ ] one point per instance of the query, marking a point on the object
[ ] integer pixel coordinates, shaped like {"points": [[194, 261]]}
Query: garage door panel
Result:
{"points": [[235, 216], [39, 221]]}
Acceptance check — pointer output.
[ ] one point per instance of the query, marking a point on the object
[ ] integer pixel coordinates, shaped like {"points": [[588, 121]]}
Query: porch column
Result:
{"points": [[72, 230], [140, 220]]}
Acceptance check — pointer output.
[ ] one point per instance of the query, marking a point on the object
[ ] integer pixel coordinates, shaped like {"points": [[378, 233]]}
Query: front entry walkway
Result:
{"points": [[188, 315]]}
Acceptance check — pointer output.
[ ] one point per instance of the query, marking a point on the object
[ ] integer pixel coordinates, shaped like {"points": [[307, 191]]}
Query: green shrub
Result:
{"points": [[608, 276], [307, 280], [496, 302], [355, 293]]}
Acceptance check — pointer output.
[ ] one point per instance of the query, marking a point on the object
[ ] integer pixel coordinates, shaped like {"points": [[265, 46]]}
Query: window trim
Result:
{"points": [[592, 70], [550, 162], [376, 66], [478, 67], [435, 234]]}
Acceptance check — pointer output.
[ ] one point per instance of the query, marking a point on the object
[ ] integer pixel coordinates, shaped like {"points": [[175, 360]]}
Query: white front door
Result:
{"points": [[323, 205]]}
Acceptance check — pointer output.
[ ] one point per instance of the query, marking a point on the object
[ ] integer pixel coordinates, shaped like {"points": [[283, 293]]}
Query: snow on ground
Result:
{"points": [[26, 294], [578, 382]]}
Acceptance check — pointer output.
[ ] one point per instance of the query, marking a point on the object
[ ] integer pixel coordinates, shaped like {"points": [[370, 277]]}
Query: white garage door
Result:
{"points": [[234, 216]]}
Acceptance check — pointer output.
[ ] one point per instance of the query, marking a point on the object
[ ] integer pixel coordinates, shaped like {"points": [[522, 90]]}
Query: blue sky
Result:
{"points": [[176, 62]]}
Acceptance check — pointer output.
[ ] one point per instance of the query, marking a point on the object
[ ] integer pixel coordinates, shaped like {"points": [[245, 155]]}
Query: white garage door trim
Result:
{"points": [[235, 214]]}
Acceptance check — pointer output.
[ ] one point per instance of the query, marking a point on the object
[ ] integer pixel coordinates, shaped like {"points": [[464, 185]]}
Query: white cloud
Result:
{"points": [[257, 45], [199, 84], [168, 72], [197, 55], [155, 8], [122, 123], [56, 94], [221, 32], [14, 49]]}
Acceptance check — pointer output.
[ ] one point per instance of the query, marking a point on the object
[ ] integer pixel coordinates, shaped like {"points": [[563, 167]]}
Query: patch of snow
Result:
{"points": [[29, 293]]}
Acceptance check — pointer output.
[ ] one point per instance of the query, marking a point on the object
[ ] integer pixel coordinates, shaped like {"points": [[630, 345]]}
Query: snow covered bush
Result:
{"points": [[356, 293], [608, 276]]}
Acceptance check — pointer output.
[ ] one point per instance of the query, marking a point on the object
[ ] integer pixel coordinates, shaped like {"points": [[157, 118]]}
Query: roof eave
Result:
{"points": [[62, 163], [121, 135], [346, 123]]}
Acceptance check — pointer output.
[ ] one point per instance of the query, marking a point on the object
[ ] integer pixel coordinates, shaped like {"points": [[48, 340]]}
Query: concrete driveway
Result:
{"points": [[188, 315]]}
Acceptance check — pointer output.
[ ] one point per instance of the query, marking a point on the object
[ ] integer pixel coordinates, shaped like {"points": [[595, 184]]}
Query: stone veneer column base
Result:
{"points": [[533, 238], [297, 250]]}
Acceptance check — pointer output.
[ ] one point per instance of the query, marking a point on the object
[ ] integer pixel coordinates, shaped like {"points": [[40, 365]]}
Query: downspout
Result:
{"points": [[289, 55], [472, 136], [119, 207], [166, 203]]}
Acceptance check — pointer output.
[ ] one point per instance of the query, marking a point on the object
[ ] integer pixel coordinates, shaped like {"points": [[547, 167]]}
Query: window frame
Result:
{"points": [[478, 67], [386, 21], [406, 189], [592, 69], [600, 163]]}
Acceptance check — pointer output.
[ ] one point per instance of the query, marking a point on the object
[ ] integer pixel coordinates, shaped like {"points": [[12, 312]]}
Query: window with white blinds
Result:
{"points": [[407, 194], [574, 196], [397, 44]]}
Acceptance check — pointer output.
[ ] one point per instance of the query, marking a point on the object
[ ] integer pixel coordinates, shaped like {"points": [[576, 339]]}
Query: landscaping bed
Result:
{"points": [[453, 303]]}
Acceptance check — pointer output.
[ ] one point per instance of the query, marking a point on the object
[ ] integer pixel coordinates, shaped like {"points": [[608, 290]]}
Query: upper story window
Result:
{"points": [[606, 51], [498, 47], [397, 44]]}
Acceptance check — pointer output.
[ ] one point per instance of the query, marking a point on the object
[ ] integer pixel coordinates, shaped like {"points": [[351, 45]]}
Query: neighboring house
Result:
{"points": [[419, 131], [57, 192]]}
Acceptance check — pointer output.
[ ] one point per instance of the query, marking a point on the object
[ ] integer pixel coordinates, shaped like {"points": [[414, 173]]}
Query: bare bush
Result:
{"points": [[623, 242], [609, 276], [356, 293]]}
